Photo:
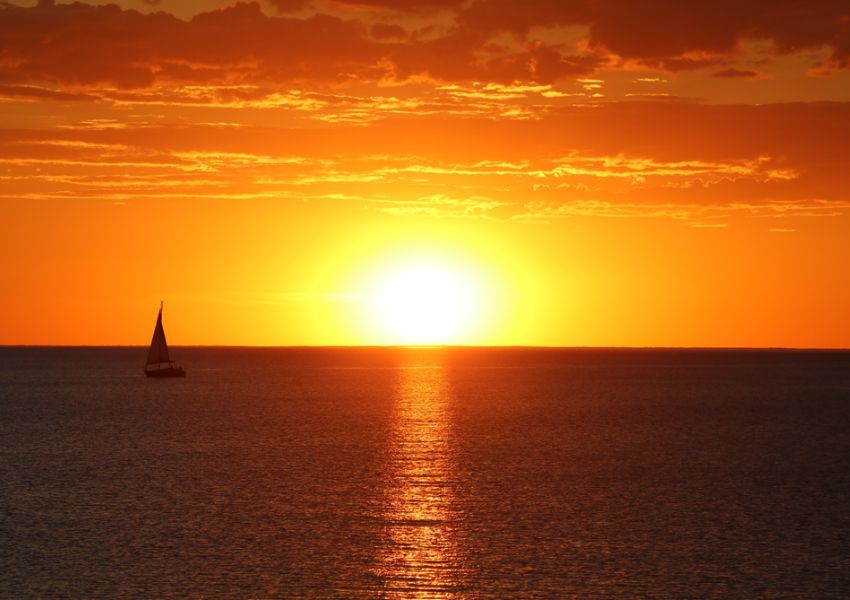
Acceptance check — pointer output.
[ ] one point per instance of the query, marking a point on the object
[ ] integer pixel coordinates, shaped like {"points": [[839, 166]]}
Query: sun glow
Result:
{"points": [[424, 304]]}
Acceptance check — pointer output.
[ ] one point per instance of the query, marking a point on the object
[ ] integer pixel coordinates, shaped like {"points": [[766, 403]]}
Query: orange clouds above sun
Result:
{"points": [[448, 41]]}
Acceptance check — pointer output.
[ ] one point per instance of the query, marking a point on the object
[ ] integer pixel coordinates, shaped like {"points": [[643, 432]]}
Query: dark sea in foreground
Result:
{"points": [[430, 473]]}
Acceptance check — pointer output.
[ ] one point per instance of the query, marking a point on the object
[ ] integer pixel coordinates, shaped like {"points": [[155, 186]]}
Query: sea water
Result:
{"points": [[425, 473]]}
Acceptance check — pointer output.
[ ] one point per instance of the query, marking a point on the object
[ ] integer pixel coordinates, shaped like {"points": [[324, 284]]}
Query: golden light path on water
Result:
{"points": [[420, 555]]}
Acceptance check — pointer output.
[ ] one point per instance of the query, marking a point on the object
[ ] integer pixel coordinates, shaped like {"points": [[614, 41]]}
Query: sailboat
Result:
{"points": [[159, 362]]}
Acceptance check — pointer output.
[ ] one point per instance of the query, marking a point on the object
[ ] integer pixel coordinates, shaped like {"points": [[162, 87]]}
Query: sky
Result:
{"points": [[496, 172]]}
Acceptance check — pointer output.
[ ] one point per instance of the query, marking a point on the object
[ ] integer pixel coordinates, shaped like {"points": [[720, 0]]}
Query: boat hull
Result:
{"points": [[165, 373]]}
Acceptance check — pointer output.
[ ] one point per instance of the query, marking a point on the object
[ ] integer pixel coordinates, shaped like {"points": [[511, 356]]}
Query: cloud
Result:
{"points": [[735, 74], [79, 44], [698, 216], [441, 205], [402, 5], [670, 32], [286, 6], [385, 31], [83, 46], [620, 160], [39, 93], [459, 57]]}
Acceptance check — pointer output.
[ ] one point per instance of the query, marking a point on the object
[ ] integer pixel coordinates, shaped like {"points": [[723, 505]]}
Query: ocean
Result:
{"points": [[425, 473]]}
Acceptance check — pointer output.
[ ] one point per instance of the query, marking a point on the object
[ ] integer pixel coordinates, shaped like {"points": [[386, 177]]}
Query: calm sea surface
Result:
{"points": [[487, 473]]}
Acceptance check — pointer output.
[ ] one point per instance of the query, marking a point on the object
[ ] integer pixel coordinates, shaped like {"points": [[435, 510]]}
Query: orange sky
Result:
{"points": [[650, 173]]}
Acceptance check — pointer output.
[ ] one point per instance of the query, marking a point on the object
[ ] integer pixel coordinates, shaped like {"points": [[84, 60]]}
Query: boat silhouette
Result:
{"points": [[159, 363]]}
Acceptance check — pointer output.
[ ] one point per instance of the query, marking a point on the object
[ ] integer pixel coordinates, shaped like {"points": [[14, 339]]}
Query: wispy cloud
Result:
{"points": [[460, 167]]}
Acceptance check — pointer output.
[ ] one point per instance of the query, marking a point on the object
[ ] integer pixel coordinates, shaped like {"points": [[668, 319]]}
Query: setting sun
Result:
{"points": [[424, 304]]}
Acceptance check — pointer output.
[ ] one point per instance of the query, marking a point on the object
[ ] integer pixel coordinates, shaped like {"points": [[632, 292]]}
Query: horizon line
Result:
{"points": [[443, 347]]}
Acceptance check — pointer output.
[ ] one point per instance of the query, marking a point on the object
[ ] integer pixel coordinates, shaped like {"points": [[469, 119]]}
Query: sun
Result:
{"points": [[425, 304]]}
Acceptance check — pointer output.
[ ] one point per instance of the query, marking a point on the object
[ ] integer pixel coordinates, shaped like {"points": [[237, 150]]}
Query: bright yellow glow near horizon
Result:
{"points": [[425, 303]]}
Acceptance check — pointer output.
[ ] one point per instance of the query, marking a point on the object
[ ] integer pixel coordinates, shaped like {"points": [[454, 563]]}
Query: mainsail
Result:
{"points": [[158, 352], [159, 363]]}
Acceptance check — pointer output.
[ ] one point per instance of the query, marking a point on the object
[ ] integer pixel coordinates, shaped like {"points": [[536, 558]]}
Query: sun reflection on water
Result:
{"points": [[420, 555]]}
